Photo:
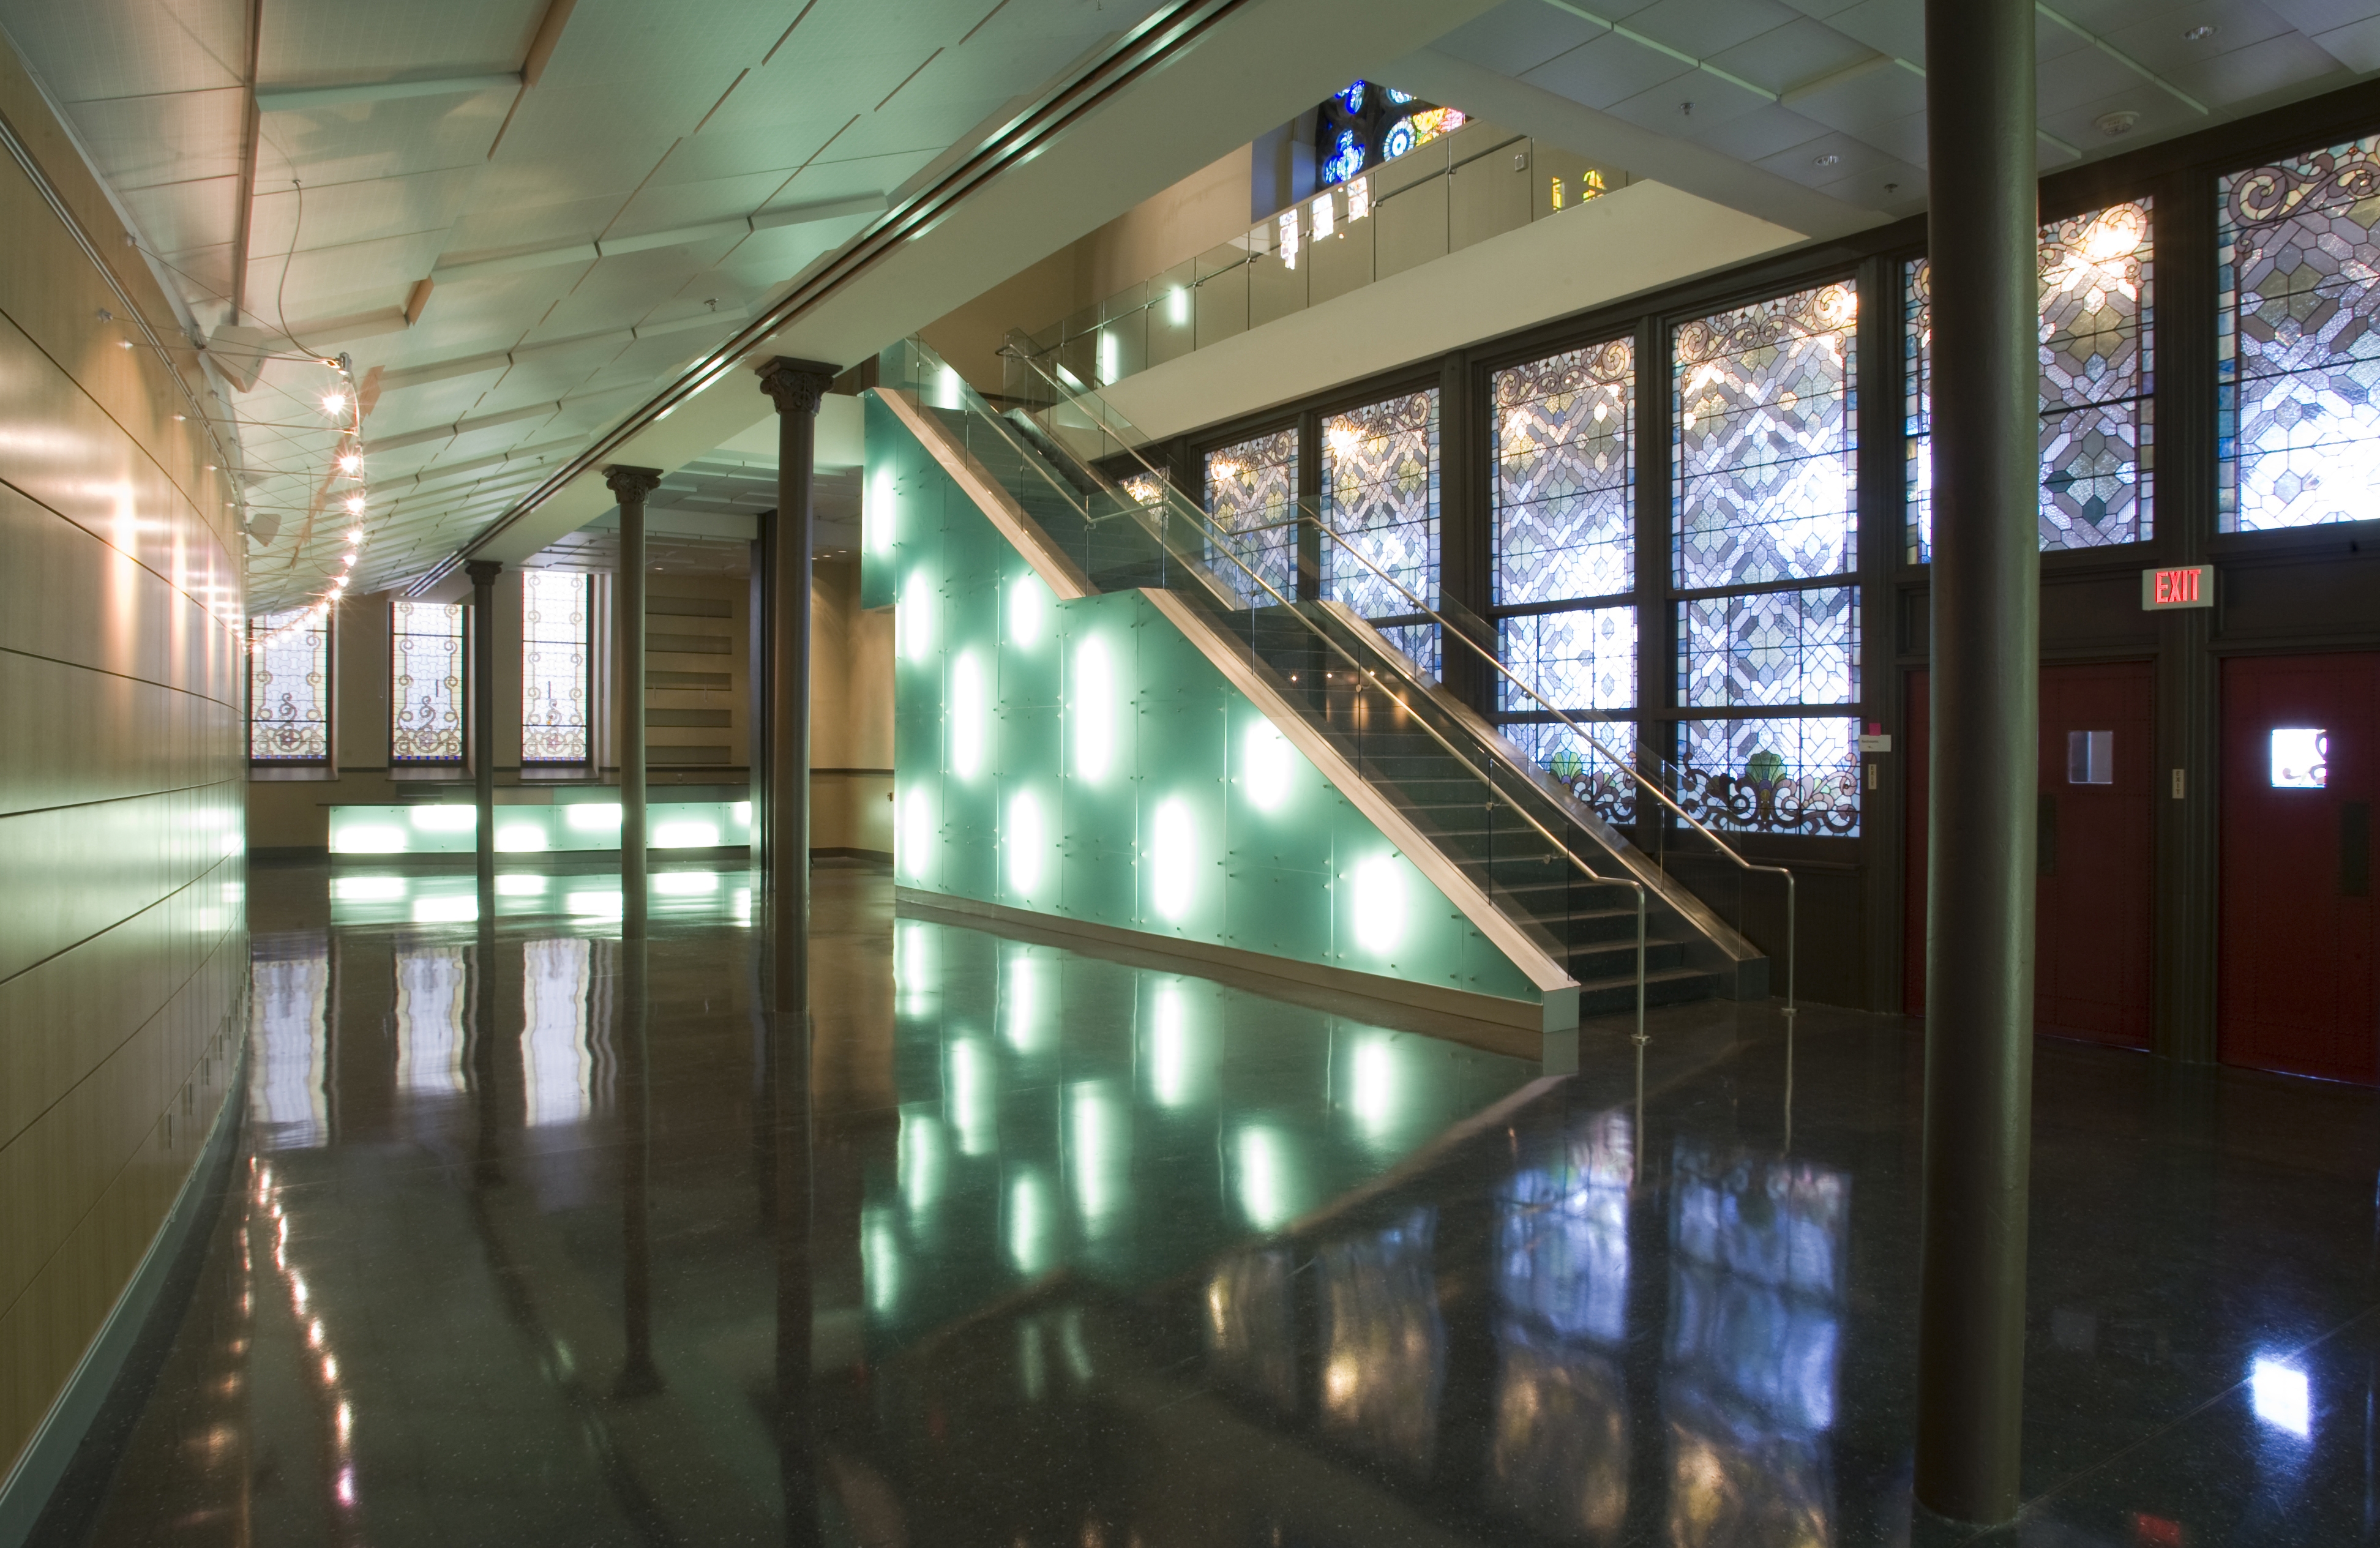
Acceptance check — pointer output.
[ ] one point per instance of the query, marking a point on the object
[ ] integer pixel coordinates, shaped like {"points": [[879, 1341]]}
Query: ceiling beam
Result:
{"points": [[676, 237]]}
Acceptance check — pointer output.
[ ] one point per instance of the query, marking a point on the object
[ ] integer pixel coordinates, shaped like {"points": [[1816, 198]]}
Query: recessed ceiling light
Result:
{"points": [[1829, 158], [2201, 32]]}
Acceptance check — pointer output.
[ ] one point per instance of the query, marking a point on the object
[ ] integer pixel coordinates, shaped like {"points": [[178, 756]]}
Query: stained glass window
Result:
{"points": [[554, 647], [1766, 490], [1365, 123], [1563, 531], [1379, 500], [1770, 648], [1766, 441], [2097, 385], [289, 687], [1773, 776], [1565, 477], [426, 698], [2296, 354], [1251, 502]]}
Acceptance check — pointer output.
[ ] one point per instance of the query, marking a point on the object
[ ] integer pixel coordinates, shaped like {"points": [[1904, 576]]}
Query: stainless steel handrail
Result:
{"points": [[1033, 458], [1077, 394]]}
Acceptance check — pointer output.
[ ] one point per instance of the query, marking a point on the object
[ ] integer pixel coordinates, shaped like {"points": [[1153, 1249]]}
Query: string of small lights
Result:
{"points": [[343, 407]]}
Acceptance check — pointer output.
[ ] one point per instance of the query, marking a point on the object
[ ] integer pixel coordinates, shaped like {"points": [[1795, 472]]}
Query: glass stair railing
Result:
{"points": [[1545, 862], [1068, 415]]}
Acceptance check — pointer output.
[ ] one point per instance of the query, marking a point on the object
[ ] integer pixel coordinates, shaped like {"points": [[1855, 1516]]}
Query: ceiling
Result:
{"points": [[518, 220], [1812, 112]]}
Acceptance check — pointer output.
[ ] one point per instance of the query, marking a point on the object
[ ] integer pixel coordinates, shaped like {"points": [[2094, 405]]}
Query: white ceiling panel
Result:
{"points": [[177, 217], [823, 180], [1688, 105], [626, 49], [344, 212], [1834, 159], [1605, 70], [2316, 16], [497, 230], [1518, 36], [668, 206], [1894, 27], [2268, 66], [354, 142], [335, 280], [2356, 45], [177, 137], [1800, 52], [1762, 132], [720, 152], [94, 51], [1701, 28], [1855, 100], [2157, 114], [2167, 39], [337, 42], [2083, 75]]}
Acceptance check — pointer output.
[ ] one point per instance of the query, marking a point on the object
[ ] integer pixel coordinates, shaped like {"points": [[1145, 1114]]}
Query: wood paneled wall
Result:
{"points": [[123, 934]]}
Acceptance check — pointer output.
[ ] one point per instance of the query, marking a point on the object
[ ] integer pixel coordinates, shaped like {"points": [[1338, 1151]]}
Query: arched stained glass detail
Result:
{"points": [[2296, 354], [1351, 98], [1346, 158], [1367, 123], [289, 687], [1252, 500], [554, 655], [1763, 456], [425, 683], [1564, 562], [2097, 385], [1380, 500]]}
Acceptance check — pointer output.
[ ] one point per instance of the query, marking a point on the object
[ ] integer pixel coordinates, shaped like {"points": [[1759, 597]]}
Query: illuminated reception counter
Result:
{"points": [[449, 828], [1097, 762]]}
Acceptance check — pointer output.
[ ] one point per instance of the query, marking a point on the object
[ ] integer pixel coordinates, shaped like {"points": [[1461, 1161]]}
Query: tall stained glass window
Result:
{"points": [[2097, 383], [289, 687], [425, 683], [554, 650], [1764, 456], [1252, 501], [1565, 565], [1380, 500], [2298, 358]]}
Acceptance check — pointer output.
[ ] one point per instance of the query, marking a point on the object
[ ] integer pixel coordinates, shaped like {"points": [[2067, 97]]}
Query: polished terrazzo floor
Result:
{"points": [[1041, 1249]]}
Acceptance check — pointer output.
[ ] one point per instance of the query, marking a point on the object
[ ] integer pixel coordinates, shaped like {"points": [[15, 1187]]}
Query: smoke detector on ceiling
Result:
{"points": [[2120, 122]]}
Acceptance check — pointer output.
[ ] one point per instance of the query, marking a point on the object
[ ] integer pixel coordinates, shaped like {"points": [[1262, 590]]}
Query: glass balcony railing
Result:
{"points": [[1442, 197]]}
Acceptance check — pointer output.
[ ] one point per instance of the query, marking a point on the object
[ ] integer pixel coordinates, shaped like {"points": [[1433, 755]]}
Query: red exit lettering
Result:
{"points": [[2185, 585]]}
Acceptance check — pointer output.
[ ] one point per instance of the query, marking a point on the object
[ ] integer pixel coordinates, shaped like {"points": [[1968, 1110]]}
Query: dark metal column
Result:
{"points": [[797, 387], [629, 485], [483, 574], [1986, 649]]}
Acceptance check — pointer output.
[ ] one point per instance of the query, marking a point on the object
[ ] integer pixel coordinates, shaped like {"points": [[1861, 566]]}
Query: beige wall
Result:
{"points": [[1205, 209], [123, 937]]}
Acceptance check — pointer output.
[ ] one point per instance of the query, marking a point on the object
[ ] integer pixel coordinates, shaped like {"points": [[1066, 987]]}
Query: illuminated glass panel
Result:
{"points": [[1380, 500], [1769, 649], [1766, 441], [1565, 477], [289, 687], [2301, 759], [426, 663], [2296, 352], [555, 649], [1251, 503], [1773, 776], [2097, 344]]}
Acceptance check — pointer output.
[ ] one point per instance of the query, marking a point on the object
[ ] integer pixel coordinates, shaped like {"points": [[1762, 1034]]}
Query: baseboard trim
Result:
{"points": [[1557, 1012], [147, 1312]]}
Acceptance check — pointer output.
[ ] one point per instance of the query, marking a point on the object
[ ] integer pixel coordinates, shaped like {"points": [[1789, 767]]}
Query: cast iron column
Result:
{"points": [[1982, 238], [483, 574], [629, 485], [797, 387]]}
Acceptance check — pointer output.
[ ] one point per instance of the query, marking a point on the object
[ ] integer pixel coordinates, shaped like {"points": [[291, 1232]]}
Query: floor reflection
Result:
{"points": [[547, 1235]]}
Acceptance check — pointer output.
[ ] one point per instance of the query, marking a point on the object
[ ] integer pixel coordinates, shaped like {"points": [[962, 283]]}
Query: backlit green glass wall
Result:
{"points": [[1085, 759]]}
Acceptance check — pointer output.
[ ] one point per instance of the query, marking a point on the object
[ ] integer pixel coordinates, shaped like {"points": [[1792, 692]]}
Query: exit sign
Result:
{"points": [[2190, 585]]}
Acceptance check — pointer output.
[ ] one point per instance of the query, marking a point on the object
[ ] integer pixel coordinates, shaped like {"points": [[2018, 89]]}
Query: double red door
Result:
{"points": [[2092, 922], [2294, 975]]}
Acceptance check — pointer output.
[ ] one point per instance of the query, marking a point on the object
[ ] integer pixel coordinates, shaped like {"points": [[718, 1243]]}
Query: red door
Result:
{"points": [[2294, 981], [2092, 922]]}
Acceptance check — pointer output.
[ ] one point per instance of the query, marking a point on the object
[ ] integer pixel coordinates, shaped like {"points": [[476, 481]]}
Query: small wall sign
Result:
{"points": [[2187, 586]]}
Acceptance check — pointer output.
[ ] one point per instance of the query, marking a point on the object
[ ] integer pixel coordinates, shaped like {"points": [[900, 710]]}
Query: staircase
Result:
{"points": [[1546, 861]]}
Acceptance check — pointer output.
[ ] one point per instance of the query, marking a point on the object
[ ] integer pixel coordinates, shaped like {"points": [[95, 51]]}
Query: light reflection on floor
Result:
{"points": [[362, 895]]}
